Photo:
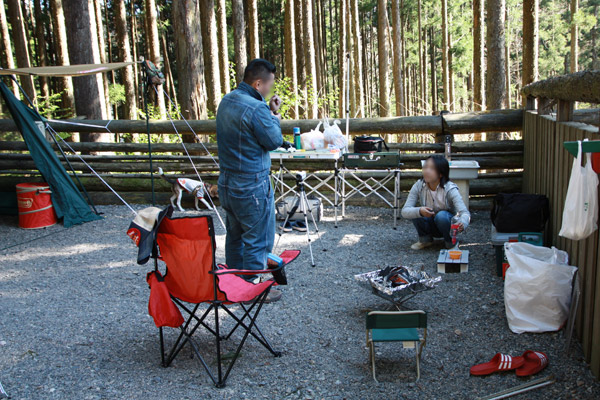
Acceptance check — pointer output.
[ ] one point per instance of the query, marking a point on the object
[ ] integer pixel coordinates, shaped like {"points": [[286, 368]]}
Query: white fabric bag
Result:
{"points": [[580, 216], [537, 288]]}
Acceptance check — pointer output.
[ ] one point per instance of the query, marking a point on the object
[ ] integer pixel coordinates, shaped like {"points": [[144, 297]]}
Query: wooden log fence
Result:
{"points": [[547, 166]]}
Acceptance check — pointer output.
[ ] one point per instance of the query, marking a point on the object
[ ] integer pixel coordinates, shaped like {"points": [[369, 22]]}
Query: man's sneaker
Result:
{"points": [[299, 226], [273, 296], [420, 245]]}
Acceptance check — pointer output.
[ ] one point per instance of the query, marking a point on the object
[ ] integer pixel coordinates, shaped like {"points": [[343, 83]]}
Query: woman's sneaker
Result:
{"points": [[420, 245]]}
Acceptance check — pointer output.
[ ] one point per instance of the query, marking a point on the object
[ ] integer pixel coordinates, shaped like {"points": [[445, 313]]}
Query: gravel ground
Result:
{"points": [[74, 321]]}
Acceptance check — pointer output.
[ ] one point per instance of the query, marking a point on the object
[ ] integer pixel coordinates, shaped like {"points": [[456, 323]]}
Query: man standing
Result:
{"points": [[247, 129]]}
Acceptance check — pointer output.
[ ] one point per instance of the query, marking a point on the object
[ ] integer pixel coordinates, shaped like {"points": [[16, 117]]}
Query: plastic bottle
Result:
{"points": [[297, 142], [454, 225], [448, 148]]}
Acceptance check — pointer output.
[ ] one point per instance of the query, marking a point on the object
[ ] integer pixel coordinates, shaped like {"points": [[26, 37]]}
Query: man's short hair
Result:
{"points": [[259, 68]]}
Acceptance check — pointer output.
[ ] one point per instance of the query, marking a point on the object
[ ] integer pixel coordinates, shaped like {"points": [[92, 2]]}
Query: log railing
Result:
{"points": [[547, 167]]}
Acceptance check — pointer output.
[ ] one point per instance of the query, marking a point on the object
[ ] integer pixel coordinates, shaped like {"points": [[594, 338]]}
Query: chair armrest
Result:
{"points": [[225, 270]]}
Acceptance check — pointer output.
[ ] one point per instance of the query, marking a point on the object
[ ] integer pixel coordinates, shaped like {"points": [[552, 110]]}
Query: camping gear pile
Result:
{"points": [[397, 284]]}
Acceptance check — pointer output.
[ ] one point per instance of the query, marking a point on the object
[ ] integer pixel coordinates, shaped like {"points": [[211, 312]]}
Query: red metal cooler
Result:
{"points": [[35, 206]]}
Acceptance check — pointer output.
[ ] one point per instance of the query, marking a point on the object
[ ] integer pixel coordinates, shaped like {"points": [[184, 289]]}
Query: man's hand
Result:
{"points": [[426, 212], [275, 103], [276, 115]]}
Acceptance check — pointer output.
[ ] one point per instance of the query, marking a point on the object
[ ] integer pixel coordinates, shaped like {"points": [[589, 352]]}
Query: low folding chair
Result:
{"points": [[187, 246], [396, 326]]}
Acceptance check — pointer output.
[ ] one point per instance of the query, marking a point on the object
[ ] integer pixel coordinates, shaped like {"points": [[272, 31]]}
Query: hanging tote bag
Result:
{"points": [[580, 216]]}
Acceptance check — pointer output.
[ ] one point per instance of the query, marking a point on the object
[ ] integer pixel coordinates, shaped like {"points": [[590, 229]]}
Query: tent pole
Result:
{"points": [[146, 77], [87, 196]]}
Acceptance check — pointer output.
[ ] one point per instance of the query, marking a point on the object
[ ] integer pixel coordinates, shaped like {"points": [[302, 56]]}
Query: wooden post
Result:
{"points": [[530, 103], [543, 106], [565, 111]]}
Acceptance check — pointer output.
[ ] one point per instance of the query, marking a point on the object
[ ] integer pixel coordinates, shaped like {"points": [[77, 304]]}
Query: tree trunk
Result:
{"points": [[574, 38], [154, 46], [125, 55], [382, 44], [8, 60], [253, 28], [41, 47], [83, 49], [507, 58], [478, 56], [397, 44], [434, 87], [191, 90], [530, 42], [211, 51], [62, 57], [496, 78], [290, 53], [342, 56], [309, 58], [357, 49], [450, 75], [445, 72], [102, 52], [421, 76], [300, 57], [223, 51], [239, 39], [15, 15]]}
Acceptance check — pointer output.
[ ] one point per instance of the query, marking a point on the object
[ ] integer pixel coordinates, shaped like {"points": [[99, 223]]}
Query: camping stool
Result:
{"points": [[396, 326]]}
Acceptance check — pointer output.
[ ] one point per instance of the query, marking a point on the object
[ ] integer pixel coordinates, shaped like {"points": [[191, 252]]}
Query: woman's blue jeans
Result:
{"points": [[249, 205], [437, 226]]}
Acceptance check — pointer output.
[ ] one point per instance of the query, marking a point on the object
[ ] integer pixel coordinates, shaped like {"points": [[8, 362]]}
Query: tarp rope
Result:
{"points": [[56, 135], [188, 154]]}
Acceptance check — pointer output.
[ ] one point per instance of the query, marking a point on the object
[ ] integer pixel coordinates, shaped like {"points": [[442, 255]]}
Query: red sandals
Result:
{"points": [[535, 361], [500, 362], [530, 363]]}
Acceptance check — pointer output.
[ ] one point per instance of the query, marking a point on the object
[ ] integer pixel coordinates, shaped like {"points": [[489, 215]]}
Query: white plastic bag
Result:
{"points": [[313, 140], [333, 134], [580, 216], [537, 288]]}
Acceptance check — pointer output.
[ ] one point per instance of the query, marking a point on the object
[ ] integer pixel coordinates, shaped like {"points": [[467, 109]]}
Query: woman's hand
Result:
{"points": [[426, 212], [461, 227]]}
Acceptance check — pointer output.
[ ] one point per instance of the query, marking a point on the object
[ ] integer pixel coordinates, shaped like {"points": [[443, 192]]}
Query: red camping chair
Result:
{"points": [[187, 246]]}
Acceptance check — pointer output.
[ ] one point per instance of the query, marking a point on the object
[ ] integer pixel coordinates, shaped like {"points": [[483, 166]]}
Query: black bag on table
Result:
{"points": [[369, 144], [520, 212]]}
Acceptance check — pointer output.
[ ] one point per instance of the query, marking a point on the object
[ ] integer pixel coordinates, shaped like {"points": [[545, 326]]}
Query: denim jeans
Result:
{"points": [[249, 205], [437, 226]]}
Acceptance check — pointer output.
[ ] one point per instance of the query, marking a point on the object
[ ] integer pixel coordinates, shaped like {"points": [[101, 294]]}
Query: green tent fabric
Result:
{"points": [[66, 198]]}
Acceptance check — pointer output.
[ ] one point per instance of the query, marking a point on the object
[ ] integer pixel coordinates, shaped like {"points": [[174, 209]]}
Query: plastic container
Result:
{"points": [[35, 206], [297, 140]]}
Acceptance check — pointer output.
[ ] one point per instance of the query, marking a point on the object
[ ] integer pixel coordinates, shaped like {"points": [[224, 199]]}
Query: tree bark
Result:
{"points": [[223, 51], [358, 73], [8, 60], [530, 42], [397, 44], [41, 47], [496, 62], [130, 111], [239, 39], [83, 49], [15, 15], [382, 44], [62, 57], [300, 59], [309, 57], [478, 55], [211, 52], [342, 57], [154, 47], [253, 28], [421, 74], [102, 52], [191, 90], [574, 65], [290, 53], [434, 88], [445, 72]]}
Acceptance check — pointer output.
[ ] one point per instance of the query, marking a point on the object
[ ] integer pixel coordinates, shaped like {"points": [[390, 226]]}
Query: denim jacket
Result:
{"points": [[246, 131]]}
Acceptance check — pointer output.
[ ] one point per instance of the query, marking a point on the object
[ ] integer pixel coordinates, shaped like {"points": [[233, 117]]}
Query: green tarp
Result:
{"points": [[66, 198]]}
